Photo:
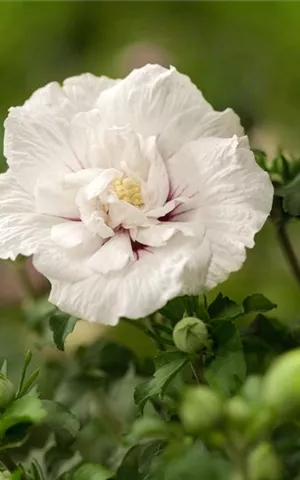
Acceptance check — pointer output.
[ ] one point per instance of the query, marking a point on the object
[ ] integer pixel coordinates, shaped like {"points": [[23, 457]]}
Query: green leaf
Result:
{"points": [[201, 309], [149, 428], [29, 383], [17, 475], [27, 410], [28, 359], [106, 357], [61, 325], [37, 314], [61, 421], [291, 196], [174, 309], [227, 371], [222, 308], [261, 158], [137, 461], [258, 303], [37, 472], [92, 471], [168, 365], [291, 204], [129, 468], [189, 462]]}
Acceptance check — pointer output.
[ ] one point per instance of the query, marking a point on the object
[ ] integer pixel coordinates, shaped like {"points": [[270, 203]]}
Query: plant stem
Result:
{"points": [[194, 373], [242, 468], [238, 459], [280, 220], [288, 250], [159, 343]]}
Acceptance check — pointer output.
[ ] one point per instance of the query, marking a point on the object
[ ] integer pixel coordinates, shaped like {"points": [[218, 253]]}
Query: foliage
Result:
{"points": [[218, 399]]}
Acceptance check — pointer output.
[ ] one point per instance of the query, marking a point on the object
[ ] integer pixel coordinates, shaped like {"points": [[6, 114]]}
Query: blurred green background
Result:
{"points": [[242, 55]]}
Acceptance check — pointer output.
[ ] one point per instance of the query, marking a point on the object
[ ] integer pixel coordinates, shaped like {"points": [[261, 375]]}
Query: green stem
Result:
{"points": [[242, 468], [194, 373], [288, 250], [280, 219], [159, 343], [238, 456]]}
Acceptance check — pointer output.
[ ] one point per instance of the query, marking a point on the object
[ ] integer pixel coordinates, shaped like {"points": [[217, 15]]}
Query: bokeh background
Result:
{"points": [[241, 54]]}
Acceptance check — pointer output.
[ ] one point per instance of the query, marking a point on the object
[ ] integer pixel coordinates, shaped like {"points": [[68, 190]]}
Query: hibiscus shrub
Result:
{"points": [[135, 197]]}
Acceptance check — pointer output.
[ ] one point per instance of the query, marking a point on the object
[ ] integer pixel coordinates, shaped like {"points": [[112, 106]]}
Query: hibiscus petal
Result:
{"points": [[22, 231], [148, 98], [50, 97], [156, 235], [113, 255], [127, 215], [160, 234], [233, 201], [66, 264], [71, 234], [97, 186], [193, 124], [134, 292], [83, 90], [66, 252], [53, 197], [78, 94], [157, 186], [35, 146]]}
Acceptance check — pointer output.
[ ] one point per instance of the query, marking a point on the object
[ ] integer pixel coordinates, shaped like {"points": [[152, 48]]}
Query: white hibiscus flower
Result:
{"points": [[128, 192]]}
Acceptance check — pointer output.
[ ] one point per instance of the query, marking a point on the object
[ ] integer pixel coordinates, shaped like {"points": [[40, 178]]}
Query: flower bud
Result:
{"points": [[5, 475], [281, 385], [237, 412], [263, 464], [190, 335], [7, 391], [201, 409], [251, 390]]}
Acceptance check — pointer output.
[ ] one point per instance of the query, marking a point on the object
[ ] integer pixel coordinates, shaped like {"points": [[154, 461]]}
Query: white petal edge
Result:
{"points": [[22, 230], [148, 98], [233, 202], [136, 291]]}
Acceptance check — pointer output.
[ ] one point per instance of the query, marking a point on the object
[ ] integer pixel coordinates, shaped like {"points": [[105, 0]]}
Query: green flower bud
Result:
{"points": [[281, 385], [251, 390], [237, 412], [7, 391], [201, 409], [263, 464], [5, 475], [190, 335]]}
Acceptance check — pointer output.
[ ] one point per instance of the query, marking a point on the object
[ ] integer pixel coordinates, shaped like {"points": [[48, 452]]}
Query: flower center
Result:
{"points": [[129, 190]]}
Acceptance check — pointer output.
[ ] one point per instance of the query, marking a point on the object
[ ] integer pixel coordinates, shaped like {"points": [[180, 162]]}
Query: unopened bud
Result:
{"points": [[263, 464], [190, 335], [237, 411], [5, 475], [201, 409], [281, 385]]}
